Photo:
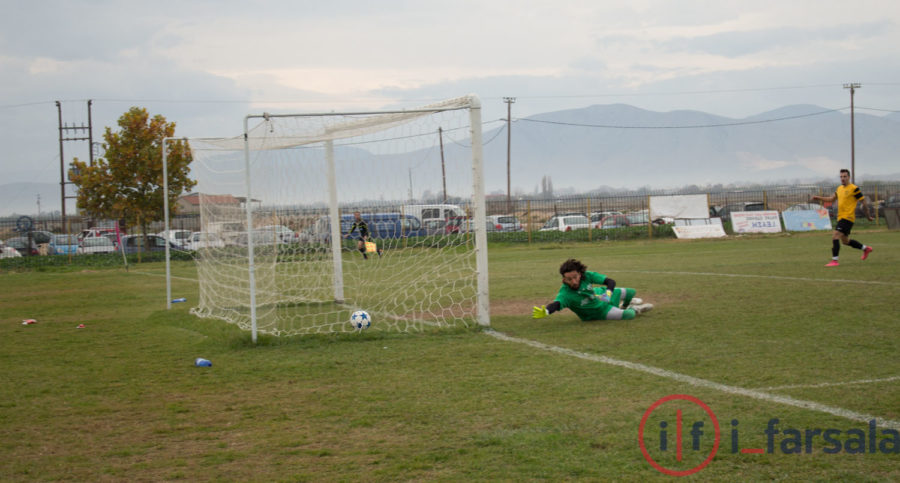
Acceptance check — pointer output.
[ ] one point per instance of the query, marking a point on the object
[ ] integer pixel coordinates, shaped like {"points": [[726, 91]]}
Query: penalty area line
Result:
{"points": [[704, 383]]}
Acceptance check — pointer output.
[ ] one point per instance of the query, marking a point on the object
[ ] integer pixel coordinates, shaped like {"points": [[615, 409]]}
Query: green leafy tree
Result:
{"points": [[127, 182]]}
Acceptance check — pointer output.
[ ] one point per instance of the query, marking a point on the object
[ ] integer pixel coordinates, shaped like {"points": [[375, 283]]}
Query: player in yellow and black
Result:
{"points": [[359, 223], [846, 195]]}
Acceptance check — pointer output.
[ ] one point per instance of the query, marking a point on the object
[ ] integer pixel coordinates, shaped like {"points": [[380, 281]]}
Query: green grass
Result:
{"points": [[121, 399]]}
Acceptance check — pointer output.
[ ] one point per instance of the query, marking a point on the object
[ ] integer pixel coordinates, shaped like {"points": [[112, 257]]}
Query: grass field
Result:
{"points": [[754, 327]]}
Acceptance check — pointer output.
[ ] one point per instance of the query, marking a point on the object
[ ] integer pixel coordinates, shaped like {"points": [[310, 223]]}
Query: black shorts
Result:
{"points": [[844, 226]]}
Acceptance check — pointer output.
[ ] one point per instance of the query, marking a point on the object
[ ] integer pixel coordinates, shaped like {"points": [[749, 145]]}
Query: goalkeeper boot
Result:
{"points": [[832, 263], [866, 253], [642, 308], [631, 303]]}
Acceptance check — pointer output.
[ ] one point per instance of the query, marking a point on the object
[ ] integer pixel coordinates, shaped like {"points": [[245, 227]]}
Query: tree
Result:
{"points": [[126, 184]]}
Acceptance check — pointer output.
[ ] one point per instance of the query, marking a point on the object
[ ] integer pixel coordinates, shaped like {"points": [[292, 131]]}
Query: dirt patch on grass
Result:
{"points": [[514, 306], [524, 306]]}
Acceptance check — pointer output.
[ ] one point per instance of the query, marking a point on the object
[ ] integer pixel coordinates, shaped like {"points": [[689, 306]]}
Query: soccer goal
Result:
{"points": [[277, 206]]}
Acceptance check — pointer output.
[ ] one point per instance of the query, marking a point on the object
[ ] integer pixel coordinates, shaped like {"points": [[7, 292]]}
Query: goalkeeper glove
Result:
{"points": [[540, 312], [606, 295]]}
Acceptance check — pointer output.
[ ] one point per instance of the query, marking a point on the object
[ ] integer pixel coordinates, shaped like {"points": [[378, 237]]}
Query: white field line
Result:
{"points": [[163, 275], [695, 381], [771, 277], [830, 384]]}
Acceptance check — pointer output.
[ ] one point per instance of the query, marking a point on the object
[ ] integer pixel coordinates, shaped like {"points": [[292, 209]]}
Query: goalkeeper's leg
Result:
{"points": [[616, 313], [625, 295]]}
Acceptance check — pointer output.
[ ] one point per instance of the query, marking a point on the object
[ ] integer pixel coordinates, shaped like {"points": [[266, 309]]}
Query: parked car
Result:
{"points": [[458, 224], [260, 238], [725, 213], [874, 208], [612, 221], [504, 223], [804, 207], [381, 225], [114, 238], [599, 215], [40, 237], [178, 237], [285, 234], [638, 218], [96, 244], [154, 243], [435, 227], [94, 232], [63, 245], [203, 239], [8, 251], [567, 223], [432, 212], [20, 243]]}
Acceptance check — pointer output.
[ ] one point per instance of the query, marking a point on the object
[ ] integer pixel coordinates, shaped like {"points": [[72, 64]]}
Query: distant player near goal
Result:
{"points": [[592, 296], [359, 223], [846, 195]]}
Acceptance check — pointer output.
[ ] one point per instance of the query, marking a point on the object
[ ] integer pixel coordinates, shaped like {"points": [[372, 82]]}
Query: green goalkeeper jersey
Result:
{"points": [[585, 301]]}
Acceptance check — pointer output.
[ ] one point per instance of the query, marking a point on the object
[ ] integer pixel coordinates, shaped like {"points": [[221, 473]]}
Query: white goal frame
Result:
{"points": [[351, 128]]}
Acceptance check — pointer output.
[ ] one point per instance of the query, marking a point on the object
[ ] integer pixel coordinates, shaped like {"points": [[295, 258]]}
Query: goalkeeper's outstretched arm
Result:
{"points": [[545, 310]]}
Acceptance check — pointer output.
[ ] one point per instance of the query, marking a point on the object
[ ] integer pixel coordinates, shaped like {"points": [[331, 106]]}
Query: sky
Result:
{"points": [[207, 64]]}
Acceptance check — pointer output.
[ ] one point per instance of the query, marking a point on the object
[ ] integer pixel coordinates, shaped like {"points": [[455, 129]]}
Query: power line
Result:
{"points": [[677, 93], [691, 126], [876, 109]]}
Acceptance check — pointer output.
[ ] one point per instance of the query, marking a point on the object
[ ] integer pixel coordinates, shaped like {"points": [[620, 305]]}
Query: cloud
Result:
{"points": [[205, 64], [755, 162], [741, 43], [822, 165]]}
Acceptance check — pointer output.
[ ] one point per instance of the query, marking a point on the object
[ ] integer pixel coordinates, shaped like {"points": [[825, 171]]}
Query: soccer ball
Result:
{"points": [[360, 320]]}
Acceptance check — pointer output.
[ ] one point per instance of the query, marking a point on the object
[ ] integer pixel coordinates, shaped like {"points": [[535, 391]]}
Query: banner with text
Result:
{"points": [[755, 222]]}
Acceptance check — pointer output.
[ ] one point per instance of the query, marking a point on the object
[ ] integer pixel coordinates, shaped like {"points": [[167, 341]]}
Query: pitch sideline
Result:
{"points": [[830, 384], [772, 277], [696, 381]]}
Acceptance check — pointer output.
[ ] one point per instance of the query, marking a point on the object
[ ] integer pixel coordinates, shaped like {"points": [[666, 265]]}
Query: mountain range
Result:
{"points": [[614, 147], [621, 146]]}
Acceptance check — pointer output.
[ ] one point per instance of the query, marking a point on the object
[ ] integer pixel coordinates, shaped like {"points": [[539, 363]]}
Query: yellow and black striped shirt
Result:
{"points": [[847, 197]]}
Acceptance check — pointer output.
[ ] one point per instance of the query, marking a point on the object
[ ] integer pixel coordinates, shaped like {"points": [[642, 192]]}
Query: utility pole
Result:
{"points": [[77, 134], [852, 86], [443, 170], [509, 102]]}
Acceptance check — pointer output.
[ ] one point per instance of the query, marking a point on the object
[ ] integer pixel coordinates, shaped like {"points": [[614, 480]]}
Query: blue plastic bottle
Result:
{"points": [[201, 362], [182, 299]]}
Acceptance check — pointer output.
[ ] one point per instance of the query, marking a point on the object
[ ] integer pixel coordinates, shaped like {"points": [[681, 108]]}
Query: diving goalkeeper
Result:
{"points": [[592, 296]]}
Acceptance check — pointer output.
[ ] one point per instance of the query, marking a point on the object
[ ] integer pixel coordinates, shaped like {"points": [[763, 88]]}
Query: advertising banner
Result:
{"points": [[699, 228], [806, 220], [755, 222]]}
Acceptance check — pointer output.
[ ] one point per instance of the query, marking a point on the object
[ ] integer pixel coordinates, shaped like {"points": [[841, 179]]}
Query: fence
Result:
{"points": [[532, 213]]}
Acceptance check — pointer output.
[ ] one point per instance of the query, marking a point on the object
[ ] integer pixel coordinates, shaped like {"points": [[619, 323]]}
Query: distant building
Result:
{"points": [[190, 203]]}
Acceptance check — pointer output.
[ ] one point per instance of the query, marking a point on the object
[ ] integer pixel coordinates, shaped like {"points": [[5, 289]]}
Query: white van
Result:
{"points": [[434, 212], [227, 231]]}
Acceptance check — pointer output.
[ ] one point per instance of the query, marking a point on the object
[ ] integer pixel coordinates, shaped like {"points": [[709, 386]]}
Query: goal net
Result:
{"points": [[277, 206]]}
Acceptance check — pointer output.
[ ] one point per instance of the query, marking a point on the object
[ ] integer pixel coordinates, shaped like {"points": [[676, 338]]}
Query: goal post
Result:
{"points": [[281, 199]]}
